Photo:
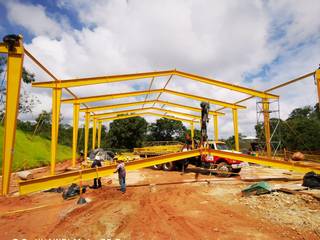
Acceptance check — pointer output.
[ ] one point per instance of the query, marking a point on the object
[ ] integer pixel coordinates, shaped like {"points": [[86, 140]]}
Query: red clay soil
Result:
{"points": [[182, 211]]}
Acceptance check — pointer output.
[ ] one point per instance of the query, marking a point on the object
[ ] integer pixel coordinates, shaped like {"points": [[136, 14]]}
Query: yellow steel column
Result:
{"points": [[94, 133], [86, 134], [56, 100], [317, 76], [266, 116], [76, 108], [99, 133], [215, 126], [192, 134], [14, 72], [235, 127]]}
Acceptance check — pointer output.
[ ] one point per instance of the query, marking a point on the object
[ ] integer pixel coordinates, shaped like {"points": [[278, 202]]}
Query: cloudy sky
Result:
{"points": [[256, 44]]}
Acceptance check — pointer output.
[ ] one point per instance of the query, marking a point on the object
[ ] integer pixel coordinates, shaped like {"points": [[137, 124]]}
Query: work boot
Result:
{"points": [[99, 183], [95, 185]]}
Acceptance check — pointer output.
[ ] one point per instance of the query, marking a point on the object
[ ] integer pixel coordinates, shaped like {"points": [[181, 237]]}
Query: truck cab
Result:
{"points": [[223, 166]]}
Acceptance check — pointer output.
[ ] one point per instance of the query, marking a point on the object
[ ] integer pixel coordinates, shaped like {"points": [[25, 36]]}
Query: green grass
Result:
{"points": [[30, 153]]}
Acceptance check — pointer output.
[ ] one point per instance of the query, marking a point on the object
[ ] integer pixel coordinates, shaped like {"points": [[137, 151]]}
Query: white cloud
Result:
{"points": [[220, 39], [33, 18]]}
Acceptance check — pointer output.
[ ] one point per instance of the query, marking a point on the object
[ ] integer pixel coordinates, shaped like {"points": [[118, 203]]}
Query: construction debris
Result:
{"points": [[298, 156], [311, 180], [25, 175], [55, 190], [73, 191], [257, 189], [296, 211]]}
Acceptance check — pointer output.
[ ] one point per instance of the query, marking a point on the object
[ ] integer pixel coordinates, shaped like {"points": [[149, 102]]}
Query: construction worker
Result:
{"points": [[122, 175], [188, 142], [97, 181]]}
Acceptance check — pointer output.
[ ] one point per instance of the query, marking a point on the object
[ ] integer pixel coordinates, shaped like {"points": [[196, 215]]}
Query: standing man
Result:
{"points": [[122, 175]]}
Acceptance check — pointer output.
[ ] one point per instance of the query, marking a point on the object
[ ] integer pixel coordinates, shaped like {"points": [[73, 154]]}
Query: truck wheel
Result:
{"points": [[224, 170], [168, 166], [236, 170], [157, 167]]}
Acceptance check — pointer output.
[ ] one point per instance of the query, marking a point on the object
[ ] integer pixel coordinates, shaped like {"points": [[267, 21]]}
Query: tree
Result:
{"points": [[231, 141], [127, 133], [300, 132], [43, 124], [27, 101], [167, 130]]}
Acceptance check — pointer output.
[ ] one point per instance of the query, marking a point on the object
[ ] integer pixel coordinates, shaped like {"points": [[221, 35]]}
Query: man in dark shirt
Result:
{"points": [[122, 175]]}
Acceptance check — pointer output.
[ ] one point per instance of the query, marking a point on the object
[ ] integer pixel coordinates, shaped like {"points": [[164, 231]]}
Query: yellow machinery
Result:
{"points": [[14, 49], [158, 150]]}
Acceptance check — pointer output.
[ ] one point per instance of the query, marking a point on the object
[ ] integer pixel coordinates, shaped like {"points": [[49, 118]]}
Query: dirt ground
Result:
{"points": [[154, 208]]}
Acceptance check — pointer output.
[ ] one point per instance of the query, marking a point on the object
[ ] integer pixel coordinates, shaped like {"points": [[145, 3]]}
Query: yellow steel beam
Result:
{"points": [[94, 133], [36, 61], [146, 97], [86, 134], [136, 110], [210, 100], [14, 73], [226, 85], [275, 87], [143, 114], [176, 113], [56, 99], [317, 77], [118, 113], [64, 179], [235, 127], [103, 79], [99, 133], [76, 107], [113, 106], [68, 178], [130, 104], [188, 107], [192, 134], [126, 77], [110, 96], [293, 166], [215, 127], [289, 82], [266, 117]]}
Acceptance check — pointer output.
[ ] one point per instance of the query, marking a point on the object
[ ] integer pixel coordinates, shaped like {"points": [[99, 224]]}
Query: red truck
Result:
{"points": [[223, 166]]}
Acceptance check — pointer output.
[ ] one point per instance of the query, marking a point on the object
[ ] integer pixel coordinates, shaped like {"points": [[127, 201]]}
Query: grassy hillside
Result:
{"points": [[32, 153]]}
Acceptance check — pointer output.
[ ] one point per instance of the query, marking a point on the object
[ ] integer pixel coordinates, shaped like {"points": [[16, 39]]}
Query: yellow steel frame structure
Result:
{"points": [[14, 73], [102, 118]]}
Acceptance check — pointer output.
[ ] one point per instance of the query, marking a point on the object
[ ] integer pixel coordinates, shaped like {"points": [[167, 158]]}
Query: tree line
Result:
{"points": [[122, 134], [299, 132]]}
